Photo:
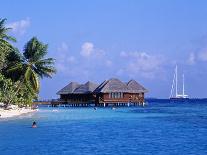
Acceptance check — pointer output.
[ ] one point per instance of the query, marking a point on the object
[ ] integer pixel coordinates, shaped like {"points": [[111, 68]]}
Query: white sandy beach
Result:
{"points": [[14, 112]]}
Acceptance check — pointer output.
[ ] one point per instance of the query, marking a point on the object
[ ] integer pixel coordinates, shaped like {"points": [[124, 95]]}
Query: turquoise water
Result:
{"points": [[159, 128]]}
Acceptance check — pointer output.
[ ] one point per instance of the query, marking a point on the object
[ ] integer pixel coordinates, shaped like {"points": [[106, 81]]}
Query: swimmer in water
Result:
{"points": [[34, 125]]}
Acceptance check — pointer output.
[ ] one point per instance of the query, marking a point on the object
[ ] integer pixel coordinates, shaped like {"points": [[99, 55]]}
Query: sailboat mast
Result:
{"points": [[176, 81], [172, 88]]}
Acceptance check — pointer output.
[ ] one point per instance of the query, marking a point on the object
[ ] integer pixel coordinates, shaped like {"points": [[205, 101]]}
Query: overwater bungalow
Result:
{"points": [[115, 92], [136, 92], [78, 93], [110, 92], [66, 92]]}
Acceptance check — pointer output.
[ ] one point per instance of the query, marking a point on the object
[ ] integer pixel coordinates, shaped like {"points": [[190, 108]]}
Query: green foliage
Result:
{"points": [[20, 73], [33, 65], [13, 57], [8, 94], [5, 40], [26, 95], [7, 91]]}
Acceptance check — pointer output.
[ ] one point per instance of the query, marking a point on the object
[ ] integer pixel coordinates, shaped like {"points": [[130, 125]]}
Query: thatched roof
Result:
{"points": [[88, 87], [69, 88], [108, 86], [135, 87], [111, 85]]}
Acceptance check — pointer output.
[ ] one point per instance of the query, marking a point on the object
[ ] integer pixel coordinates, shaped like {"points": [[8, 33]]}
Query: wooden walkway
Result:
{"points": [[58, 103]]}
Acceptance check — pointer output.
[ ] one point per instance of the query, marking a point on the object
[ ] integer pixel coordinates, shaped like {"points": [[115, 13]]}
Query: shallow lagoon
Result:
{"points": [[159, 128]]}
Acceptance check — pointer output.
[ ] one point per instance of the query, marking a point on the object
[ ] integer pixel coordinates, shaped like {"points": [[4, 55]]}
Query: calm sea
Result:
{"points": [[159, 129]]}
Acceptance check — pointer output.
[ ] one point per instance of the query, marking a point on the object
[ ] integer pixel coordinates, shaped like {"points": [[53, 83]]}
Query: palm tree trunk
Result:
{"points": [[22, 80]]}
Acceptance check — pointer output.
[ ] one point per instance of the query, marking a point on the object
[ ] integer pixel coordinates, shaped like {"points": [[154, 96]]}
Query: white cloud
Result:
{"points": [[64, 58], [192, 58], [197, 57], [87, 49], [19, 27], [142, 63], [85, 64], [145, 62], [92, 59], [202, 55]]}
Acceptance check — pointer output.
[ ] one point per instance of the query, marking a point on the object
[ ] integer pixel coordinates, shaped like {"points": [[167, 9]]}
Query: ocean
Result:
{"points": [[161, 128]]}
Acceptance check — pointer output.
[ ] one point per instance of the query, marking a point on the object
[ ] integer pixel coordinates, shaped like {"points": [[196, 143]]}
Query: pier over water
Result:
{"points": [[61, 103]]}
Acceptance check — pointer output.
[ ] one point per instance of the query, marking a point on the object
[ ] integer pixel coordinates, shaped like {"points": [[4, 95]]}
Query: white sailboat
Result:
{"points": [[174, 89]]}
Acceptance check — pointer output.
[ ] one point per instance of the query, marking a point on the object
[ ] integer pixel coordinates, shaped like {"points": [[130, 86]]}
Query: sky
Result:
{"points": [[96, 40]]}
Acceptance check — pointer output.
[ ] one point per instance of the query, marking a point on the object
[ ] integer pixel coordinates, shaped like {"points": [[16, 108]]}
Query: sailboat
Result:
{"points": [[174, 95]]}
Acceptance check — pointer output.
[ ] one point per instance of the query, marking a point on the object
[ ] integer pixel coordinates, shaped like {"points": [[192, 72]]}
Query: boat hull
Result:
{"points": [[176, 99]]}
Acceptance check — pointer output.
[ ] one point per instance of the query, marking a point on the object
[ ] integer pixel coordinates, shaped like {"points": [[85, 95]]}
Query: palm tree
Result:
{"points": [[34, 65], [5, 46], [12, 58]]}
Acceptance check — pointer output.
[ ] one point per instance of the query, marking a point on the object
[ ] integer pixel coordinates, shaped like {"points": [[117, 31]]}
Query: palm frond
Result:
{"points": [[34, 50], [15, 67], [9, 38], [45, 71], [45, 62]]}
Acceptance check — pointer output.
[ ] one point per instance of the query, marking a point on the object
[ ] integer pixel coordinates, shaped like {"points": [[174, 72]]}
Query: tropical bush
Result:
{"points": [[7, 91]]}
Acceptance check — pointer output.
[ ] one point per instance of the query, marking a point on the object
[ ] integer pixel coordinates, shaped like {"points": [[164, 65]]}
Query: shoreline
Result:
{"points": [[15, 112]]}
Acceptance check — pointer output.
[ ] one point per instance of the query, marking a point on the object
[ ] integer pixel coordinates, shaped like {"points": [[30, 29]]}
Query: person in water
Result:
{"points": [[34, 125]]}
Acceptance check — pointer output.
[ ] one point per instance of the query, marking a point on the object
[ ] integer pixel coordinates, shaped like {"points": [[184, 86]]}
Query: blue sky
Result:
{"points": [[129, 39]]}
